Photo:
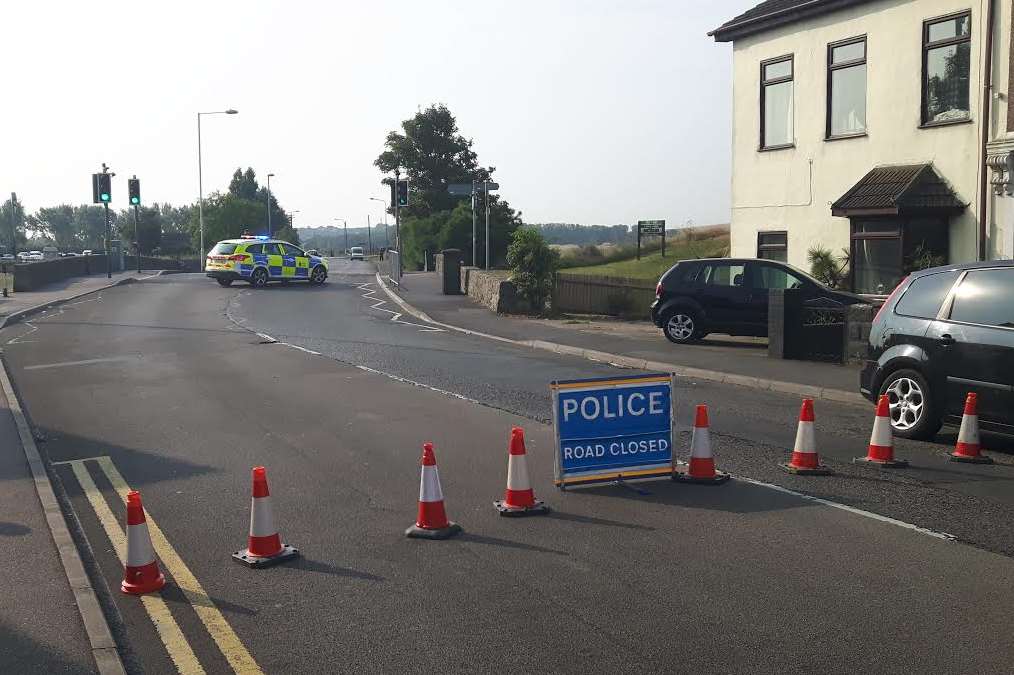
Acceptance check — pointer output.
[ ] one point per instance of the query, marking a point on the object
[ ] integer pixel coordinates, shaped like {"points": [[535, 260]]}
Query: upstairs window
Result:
{"points": [[846, 88], [776, 103], [946, 58]]}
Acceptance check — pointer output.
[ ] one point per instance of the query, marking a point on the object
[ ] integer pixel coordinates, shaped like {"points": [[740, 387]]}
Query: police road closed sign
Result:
{"points": [[611, 429]]}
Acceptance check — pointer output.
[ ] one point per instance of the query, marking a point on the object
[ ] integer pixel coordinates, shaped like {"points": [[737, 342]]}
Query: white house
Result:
{"points": [[877, 126]]}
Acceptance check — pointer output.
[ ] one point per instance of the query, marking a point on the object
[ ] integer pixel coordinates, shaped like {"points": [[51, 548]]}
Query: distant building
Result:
{"points": [[862, 124]]}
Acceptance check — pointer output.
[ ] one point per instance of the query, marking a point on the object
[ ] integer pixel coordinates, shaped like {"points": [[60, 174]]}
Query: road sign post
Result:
{"points": [[652, 228], [613, 430]]}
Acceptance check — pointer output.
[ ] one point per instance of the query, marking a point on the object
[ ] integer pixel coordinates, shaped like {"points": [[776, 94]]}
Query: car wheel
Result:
{"points": [[318, 275], [259, 278], [682, 326], [913, 410], [225, 283]]}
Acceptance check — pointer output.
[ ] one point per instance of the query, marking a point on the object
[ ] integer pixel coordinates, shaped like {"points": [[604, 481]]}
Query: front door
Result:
{"points": [[974, 344], [296, 262], [723, 290]]}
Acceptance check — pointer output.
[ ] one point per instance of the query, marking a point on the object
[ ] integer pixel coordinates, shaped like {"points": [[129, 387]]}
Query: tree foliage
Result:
{"points": [[12, 224], [431, 153], [532, 264], [826, 267]]}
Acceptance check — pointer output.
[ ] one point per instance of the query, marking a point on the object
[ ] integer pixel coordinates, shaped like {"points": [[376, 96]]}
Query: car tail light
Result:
{"points": [[890, 298], [658, 290], [239, 257]]}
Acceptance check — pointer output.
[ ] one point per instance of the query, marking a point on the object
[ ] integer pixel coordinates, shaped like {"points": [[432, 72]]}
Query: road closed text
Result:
{"points": [[616, 449]]}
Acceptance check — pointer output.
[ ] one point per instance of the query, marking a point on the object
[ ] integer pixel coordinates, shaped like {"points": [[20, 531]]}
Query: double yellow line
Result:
{"points": [[168, 630]]}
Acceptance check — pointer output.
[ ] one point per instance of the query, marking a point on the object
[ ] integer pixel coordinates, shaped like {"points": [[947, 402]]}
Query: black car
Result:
{"points": [[943, 333], [728, 295]]}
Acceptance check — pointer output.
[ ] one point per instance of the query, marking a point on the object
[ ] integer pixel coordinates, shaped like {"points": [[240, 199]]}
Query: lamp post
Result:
{"points": [[387, 238], [200, 175], [345, 224], [269, 203]]}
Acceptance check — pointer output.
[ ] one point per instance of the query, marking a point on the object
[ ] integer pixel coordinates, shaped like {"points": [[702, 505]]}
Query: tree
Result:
{"points": [[244, 184], [431, 153], [57, 223], [90, 226], [532, 264], [149, 228], [12, 224], [826, 267]]}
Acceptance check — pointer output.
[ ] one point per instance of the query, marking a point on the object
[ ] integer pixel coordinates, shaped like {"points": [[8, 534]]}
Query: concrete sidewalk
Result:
{"points": [[741, 361], [26, 302]]}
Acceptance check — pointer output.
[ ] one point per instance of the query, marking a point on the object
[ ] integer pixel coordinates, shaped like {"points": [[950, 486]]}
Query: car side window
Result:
{"points": [[271, 249], [255, 249], [292, 250], [985, 297], [723, 274], [922, 299], [769, 277]]}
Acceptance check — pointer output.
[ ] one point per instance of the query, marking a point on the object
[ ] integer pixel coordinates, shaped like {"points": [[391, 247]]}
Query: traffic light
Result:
{"points": [[102, 191], [402, 193], [134, 190]]}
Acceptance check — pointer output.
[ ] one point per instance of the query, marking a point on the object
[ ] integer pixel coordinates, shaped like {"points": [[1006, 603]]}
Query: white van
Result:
{"points": [[356, 253]]}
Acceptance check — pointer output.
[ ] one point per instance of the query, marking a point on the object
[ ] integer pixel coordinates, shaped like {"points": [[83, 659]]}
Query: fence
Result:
{"points": [[388, 266], [613, 296]]}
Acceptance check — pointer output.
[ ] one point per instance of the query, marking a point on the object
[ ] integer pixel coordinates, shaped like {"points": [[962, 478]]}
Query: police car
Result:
{"points": [[258, 260]]}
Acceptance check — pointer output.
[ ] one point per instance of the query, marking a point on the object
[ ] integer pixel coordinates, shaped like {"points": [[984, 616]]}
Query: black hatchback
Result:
{"points": [[728, 295], [943, 333]]}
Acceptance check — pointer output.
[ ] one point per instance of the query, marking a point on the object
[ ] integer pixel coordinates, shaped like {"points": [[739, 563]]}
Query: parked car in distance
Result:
{"points": [[356, 253], [942, 334], [728, 295], [87, 251]]}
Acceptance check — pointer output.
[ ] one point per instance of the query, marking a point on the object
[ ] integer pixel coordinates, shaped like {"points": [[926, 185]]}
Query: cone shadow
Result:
{"points": [[506, 543], [327, 568], [13, 529], [591, 520]]}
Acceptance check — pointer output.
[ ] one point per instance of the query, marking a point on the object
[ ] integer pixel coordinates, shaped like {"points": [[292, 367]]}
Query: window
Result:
{"points": [[986, 297], [846, 88], [769, 276], [724, 274], [876, 256], [291, 250], [946, 55], [271, 249], [255, 249], [223, 248], [773, 246], [776, 103], [924, 297]]}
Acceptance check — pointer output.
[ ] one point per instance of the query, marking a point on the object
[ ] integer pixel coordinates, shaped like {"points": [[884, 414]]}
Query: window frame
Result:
{"points": [[764, 84], [772, 247], [924, 123], [831, 67]]}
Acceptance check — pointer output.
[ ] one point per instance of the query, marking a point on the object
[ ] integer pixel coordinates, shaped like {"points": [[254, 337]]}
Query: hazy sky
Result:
{"points": [[591, 111]]}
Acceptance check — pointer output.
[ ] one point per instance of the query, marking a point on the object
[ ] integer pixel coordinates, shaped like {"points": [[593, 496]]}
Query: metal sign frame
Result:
{"points": [[642, 472]]}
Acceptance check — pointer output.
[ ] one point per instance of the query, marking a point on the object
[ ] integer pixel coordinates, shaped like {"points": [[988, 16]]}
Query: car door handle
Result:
{"points": [[947, 340]]}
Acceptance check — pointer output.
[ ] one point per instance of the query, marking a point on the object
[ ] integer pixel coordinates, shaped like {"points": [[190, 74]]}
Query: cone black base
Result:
{"points": [[719, 478], [977, 459], [416, 532], [819, 470], [886, 463], [536, 509], [244, 557]]}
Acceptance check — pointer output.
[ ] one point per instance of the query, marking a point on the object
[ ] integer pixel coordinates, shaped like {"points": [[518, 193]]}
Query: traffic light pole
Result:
{"points": [[137, 241], [397, 222], [109, 259], [475, 262]]}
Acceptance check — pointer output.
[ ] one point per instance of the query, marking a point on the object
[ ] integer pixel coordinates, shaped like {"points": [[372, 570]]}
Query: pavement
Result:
{"points": [[25, 302], [177, 387], [735, 360]]}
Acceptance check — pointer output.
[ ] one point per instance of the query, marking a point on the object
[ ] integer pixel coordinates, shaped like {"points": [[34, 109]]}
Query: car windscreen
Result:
{"points": [[222, 248]]}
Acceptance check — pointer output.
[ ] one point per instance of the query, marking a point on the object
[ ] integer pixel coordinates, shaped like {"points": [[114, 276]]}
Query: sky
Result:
{"points": [[592, 112]]}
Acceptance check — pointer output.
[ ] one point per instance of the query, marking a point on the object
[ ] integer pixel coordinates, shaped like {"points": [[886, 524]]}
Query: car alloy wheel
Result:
{"points": [[907, 403], [259, 279], [680, 327], [318, 276]]}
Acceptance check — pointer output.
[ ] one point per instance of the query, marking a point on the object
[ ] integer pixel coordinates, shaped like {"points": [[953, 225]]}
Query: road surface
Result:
{"points": [[177, 387]]}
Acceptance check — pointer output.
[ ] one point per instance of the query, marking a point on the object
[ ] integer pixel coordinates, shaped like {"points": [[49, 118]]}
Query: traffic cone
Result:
{"points": [[805, 459], [432, 521], [702, 463], [881, 450], [140, 572], [264, 546], [519, 498], [967, 449]]}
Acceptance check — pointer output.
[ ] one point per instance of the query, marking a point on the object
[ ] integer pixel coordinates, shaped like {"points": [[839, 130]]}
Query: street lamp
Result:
{"points": [[387, 239], [345, 223], [269, 203], [200, 175]]}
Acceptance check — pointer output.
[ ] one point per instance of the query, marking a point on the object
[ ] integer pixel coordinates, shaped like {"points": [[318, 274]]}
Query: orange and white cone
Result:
{"points": [[805, 460], [702, 463], [140, 571], [519, 498], [264, 546], [881, 449], [431, 522], [968, 448]]}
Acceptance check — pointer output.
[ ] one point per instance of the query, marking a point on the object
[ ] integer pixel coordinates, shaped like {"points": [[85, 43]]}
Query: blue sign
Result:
{"points": [[610, 429]]}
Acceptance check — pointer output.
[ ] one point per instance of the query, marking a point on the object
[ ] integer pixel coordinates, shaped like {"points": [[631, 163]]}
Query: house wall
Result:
{"points": [[792, 189], [1001, 210]]}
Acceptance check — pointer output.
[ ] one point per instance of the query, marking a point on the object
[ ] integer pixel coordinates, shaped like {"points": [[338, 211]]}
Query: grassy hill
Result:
{"points": [[624, 263]]}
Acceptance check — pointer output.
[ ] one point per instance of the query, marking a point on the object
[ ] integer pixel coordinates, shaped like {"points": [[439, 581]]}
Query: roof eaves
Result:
{"points": [[757, 24]]}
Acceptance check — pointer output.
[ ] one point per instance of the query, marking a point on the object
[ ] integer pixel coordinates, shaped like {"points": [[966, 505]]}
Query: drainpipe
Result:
{"points": [[985, 117]]}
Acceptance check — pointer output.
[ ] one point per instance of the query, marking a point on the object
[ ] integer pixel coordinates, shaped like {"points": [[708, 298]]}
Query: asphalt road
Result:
{"points": [[170, 380]]}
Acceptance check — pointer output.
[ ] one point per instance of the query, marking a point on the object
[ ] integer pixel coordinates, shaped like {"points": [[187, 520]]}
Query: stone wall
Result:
{"points": [[34, 275], [858, 320], [494, 289]]}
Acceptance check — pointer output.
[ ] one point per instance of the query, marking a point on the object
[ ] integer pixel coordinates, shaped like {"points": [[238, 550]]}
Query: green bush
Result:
{"points": [[826, 267], [532, 264]]}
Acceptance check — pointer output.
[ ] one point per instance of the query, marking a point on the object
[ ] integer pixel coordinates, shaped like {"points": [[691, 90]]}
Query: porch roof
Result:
{"points": [[899, 190]]}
